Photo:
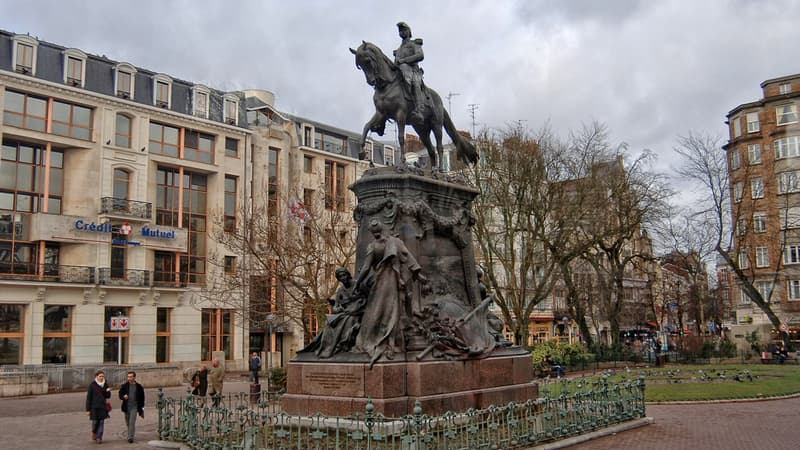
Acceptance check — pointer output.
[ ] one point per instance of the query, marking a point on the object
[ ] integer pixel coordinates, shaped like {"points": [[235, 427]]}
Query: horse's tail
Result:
{"points": [[465, 151]]}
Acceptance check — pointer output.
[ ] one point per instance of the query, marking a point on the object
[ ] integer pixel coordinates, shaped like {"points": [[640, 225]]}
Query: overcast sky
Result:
{"points": [[649, 70]]}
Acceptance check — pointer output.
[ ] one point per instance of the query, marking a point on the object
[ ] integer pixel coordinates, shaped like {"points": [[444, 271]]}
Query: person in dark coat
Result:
{"points": [[96, 396], [132, 396], [200, 382]]}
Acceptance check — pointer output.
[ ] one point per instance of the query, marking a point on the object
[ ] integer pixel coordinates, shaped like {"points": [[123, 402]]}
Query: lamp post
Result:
{"points": [[270, 317]]}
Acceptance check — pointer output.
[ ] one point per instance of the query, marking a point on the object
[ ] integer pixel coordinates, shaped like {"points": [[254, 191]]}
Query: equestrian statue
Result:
{"points": [[401, 95]]}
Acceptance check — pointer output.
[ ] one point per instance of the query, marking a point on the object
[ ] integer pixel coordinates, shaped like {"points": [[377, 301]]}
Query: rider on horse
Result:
{"points": [[407, 57]]}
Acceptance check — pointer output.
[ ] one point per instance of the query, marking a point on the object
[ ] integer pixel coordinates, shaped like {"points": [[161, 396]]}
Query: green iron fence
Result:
{"points": [[237, 423]]}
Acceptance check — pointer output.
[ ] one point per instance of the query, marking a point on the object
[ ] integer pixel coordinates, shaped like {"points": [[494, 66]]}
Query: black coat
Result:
{"points": [[201, 376], [96, 397], [123, 391]]}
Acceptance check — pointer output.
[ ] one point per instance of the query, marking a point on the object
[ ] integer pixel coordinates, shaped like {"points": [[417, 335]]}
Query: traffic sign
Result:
{"points": [[120, 323]]}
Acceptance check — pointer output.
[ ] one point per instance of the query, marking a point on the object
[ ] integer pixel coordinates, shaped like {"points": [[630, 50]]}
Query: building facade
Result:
{"points": [[763, 154]]}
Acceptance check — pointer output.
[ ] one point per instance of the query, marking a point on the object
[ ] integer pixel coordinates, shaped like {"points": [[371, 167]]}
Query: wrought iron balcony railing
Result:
{"points": [[123, 277], [47, 272], [123, 207]]}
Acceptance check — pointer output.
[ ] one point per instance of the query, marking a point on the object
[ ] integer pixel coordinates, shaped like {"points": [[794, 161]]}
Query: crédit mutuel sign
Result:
{"points": [[124, 230]]}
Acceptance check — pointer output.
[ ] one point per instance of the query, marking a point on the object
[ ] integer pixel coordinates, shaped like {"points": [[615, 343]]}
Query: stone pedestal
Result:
{"points": [[342, 388]]}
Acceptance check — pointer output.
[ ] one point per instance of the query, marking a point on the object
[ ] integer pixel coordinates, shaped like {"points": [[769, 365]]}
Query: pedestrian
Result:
{"points": [[200, 383], [783, 353], [97, 404], [215, 376], [132, 395], [255, 367]]}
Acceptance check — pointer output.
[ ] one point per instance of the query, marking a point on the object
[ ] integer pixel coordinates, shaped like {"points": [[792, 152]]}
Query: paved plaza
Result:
{"points": [[57, 421]]}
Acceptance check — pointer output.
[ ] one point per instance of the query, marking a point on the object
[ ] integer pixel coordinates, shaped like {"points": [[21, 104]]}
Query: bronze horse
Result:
{"points": [[392, 102]]}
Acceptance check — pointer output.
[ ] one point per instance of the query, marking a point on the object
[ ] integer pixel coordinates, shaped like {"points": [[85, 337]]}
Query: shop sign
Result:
{"points": [[156, 233]]}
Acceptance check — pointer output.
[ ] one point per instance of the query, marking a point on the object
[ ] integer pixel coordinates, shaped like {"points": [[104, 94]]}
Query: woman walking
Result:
{"points": [[96, 399]]}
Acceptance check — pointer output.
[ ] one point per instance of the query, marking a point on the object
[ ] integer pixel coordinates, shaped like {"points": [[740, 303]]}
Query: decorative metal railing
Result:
{"points": [[123, 207], [580, 408], [125, 277], [48, 272]]}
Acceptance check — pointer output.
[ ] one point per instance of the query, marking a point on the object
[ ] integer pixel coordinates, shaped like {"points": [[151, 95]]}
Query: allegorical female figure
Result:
{"points": [[390, 269]]}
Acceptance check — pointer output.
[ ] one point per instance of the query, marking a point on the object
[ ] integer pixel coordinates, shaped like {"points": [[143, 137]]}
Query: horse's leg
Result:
{"points": [[437, 133], [425, 137], [401, 139], [377, 119]]}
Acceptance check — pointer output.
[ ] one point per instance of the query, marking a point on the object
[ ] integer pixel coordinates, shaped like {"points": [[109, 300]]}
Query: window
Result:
{"points": [[25, 111], [195, 192], [790, 217], [745, 298], [308, 164], [72, 120], [737, 126], [388, 155], [753, 126], [765, 289], [741, 227], [163, 140], [757, 188], [230, 264], [788, 182], [309, 197], [164, 269], [162, 91], [738, 191], [786, 114], [122, 182], [22, 171], [735, 160], [74, 67], [200, 101], [25, 48], [231, 147], [124, 80], [231, 110], [759, 222], [163, 334], [744, 261], [368, 149], [115, 343], [198, 146], [762, 257], [754, 153], [11, 333], [334, 185], [119, 252], [122, 132], [57, 334], [794, 290], [272, 182], [229, 224], [785, 88], [788, 147], [791, 254], [216, 333], [167, 190], [308, 135], [330, 142]]}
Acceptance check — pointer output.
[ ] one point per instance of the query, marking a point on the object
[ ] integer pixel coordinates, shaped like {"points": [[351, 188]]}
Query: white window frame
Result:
{"points": [[757, 188], [759, 222], [788, 147], [789, 182], [24, 39], [737, 126], [753, 125], [308, 131], [131, 71], [762, 257], [738, 191], [744, 261], [791, 254], [388, 155], [198, 91], [736, 160], [785, 114], [785, 88], [793, 218], [230, 99], [793, 290], [764, 288], [77, 55], [754, 153], [745, 300], [165, 79], [741, 227], [369, 149]]}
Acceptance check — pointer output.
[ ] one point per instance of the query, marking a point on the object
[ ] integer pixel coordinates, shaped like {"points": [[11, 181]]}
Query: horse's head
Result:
{"points": [[377, 68]]}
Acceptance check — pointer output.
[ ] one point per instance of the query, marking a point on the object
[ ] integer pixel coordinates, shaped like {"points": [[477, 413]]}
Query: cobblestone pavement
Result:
{"points": [[57, 421]]}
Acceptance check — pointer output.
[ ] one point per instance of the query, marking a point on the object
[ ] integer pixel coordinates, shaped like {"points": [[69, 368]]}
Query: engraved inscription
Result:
{"points": [[333, 383]]}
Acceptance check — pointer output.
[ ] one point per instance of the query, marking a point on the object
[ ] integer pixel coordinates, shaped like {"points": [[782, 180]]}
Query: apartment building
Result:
{"points": [[763, 154]]}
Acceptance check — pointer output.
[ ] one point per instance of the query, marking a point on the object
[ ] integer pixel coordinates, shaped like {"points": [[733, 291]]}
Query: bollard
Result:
{"points": [[255, 393]]}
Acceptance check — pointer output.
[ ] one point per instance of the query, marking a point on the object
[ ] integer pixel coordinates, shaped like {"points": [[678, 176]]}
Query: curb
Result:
{"points": [[612, 430], [726, 400], [168, 444]]}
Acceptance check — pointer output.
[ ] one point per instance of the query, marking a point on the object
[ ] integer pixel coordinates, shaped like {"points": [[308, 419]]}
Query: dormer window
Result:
{"points": [[124, 80], [368, 147], [308, 135], [785, 88], [231, 110], [162, 91], [74, 67], [200, 95], [25, 54], [388, 155]]}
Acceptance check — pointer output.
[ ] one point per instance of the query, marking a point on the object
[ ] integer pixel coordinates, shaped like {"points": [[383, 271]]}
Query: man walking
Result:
{"points": [[255, 367], [132, 396], [215, 376]]}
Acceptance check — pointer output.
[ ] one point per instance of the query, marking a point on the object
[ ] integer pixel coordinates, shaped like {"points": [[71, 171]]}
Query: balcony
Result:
{"points": [[46, 272], [128, 277], [123, 208]]}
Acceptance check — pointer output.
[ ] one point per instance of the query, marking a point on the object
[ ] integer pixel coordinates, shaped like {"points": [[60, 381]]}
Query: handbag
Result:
{"points": [[108, 406]]}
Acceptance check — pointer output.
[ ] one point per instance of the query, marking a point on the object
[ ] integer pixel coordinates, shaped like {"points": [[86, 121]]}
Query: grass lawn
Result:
{"points": [[696, 382]]}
